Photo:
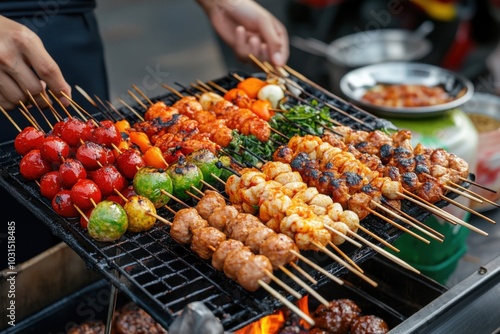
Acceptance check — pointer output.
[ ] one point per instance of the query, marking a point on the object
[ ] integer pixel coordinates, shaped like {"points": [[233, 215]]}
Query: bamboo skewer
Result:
{"points": [[116, 111], [131, 109], [424, 204], [283, 284], [376, 237], [105, 110], [304, 286], [29, 117], [404, 229], [473, 193], [10, 119], [51, 107], [383, 252], [145, 107], [142, 94], [286, 302], [192, 195], [354, 242], [477, 184], [415, 221], [169, 209], [218, 87], [73, 104], [344, 255], [466, 208], [200, 88], [173, 90], [472, 198], [345, 264], [204, 85], [93, 103], [211, 187], [407, 221], [303, 273], [38, 108], [294, 278], [163, 191], [318, 268], [454, 219], [60, 104]]}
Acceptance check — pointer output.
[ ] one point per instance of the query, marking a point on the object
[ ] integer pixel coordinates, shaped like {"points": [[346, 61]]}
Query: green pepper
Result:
{"points": [[138, 208], [184, 175], [149, 182], [107, 222], [207, 163]]}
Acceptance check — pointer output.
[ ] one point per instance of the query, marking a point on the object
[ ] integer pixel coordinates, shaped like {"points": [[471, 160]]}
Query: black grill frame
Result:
{"points": [[162, 276]]}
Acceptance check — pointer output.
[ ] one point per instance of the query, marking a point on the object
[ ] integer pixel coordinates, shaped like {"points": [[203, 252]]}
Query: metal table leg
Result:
{"points": [[111, 309]]}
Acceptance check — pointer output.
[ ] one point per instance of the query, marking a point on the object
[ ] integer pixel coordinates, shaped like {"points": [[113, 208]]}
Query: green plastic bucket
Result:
{"points": [[437, 260]]}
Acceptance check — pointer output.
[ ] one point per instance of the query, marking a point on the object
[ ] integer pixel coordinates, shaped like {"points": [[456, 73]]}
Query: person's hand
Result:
{"points": [[26, 66], [248, 28]]}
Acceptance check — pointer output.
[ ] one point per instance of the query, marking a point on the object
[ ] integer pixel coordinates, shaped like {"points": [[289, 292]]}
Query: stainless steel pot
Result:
{"points": [[367, 48]]}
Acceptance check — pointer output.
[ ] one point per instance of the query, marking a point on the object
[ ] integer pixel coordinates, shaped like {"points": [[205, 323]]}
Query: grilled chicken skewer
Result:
{"points": [[238, 118], [331, 161]]}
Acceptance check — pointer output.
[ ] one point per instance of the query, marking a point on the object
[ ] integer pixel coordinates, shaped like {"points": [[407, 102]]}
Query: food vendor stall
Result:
{"points": [[165, 267]]}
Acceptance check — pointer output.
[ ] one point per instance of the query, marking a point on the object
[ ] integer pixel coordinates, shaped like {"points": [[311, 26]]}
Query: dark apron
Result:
{"points": [[70, 34]]}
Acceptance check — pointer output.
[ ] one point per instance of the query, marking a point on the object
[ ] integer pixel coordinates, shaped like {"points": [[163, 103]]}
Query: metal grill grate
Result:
{"points": [[162, 276]]}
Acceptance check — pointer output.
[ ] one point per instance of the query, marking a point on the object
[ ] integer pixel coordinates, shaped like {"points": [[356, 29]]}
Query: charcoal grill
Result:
{"points": [[162, 276]]}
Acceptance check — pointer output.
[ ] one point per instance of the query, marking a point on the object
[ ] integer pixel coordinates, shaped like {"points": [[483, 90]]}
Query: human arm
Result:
{"points": [[25, 65], [248, 28]]}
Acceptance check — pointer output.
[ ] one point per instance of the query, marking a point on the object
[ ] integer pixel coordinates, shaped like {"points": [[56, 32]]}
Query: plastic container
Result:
{"points": [[437, 260], [484, 110]]}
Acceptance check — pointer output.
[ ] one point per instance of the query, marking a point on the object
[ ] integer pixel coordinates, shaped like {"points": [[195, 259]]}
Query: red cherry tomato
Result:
{"points": [[117, 199], [90, 126], [107, 134], [32, 166], [71, 171], [54, 149], [172, 156], [108, 178], [128, 191], [110, 156], [128, 162], [84, 222], [50, 184], [57, 129], [72, 130], [28, 139], [63, 204], [92, 155], [85, 193]]}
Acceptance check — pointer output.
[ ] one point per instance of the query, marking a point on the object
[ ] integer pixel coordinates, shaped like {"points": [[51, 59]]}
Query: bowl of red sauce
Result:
{"points": [[406, 89]]}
